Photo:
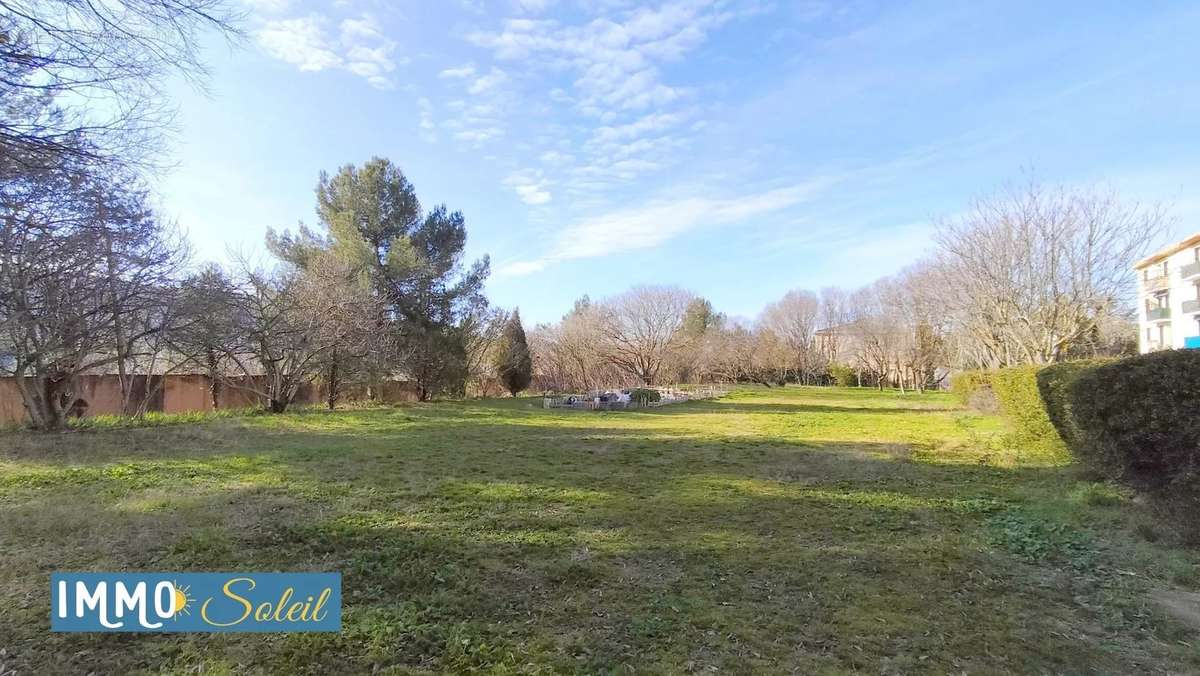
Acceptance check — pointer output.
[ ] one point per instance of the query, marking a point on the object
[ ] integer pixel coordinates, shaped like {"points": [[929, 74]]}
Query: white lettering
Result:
{"points": [[134, 601], [170, 608], [96, 601]]}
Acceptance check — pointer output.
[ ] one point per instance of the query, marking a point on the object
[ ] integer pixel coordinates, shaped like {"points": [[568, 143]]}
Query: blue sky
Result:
{"points": [[738, 149]]}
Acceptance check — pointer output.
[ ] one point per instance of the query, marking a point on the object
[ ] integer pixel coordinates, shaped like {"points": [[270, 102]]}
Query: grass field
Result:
{"points": [[797, 530]]}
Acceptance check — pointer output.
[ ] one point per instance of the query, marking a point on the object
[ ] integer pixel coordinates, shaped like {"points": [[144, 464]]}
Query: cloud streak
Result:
{"points": [[657, 223]]}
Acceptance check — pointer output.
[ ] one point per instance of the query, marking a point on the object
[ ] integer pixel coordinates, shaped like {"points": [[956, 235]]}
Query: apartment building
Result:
{"points": [[1169, 297]]}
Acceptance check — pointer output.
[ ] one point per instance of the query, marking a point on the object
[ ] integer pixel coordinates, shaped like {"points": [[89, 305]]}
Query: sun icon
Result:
{"points": [[180, 602]]}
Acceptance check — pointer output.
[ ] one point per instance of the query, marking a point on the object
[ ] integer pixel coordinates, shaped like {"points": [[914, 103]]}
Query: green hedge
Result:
{"points": [[843, 376], [964, 384], [1137, 419], [644, 395], [1054, 385], [1016, 388]]}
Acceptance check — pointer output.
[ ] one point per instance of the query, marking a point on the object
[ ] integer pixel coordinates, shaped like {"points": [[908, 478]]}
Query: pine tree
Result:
{"points": [[513, 362]]}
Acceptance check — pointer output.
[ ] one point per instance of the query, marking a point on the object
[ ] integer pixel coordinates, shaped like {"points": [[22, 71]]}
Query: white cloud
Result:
{"points": [[268, 6], [427, 125], [616, 60], [532, 6], [361, 47], [654, 224], [653, 122], [477, 137], [553, 157], [300, 42], [464, 71], [529, 186], [488, 82]]}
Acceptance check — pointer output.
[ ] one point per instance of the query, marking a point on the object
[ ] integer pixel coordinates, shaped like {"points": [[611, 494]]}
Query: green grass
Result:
{"points": [[798, 530]]}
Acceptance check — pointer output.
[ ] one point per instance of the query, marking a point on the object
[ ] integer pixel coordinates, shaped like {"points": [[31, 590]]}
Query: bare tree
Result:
{"points": [[282, 335], [794, 319], [205, 333], [1032, 271], [835, 315], [352, 323], [87, 79], [86, 273], [640, 328]]}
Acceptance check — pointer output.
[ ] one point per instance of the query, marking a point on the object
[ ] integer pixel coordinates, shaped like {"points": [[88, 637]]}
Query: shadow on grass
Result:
{"points": [[468, 543], [709, 566]]}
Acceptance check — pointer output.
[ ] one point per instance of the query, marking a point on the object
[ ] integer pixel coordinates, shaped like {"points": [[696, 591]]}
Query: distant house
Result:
{"points": [[839, 344], [1169, 297]]}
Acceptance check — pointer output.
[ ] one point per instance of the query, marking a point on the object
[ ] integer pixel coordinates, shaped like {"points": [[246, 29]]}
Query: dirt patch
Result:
{"points": [[1181, 605]]}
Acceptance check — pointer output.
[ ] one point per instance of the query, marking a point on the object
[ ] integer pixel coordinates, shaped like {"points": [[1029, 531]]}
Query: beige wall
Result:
{"points": [[179, 394]]}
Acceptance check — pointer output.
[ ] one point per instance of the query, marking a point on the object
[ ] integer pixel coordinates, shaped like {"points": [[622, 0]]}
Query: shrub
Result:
{"points": [[964, 384], [1054, 383], [1016, 388], [1135, 419], [843, 376], [644, 395]]}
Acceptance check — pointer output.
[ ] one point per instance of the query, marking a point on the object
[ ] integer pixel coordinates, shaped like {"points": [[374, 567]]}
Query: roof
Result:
{"points": [[1169, 251]]}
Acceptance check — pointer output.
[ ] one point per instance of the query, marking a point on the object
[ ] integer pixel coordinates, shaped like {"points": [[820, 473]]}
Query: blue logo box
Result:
{"points": [[196, 602]]}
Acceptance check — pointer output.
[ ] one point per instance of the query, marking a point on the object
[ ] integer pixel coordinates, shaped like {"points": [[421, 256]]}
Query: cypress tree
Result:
{"points": [[513, 362]]}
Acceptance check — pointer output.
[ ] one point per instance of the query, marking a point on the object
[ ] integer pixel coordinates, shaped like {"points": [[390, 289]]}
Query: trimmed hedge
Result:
{"points": [[1016, 388], [644, 395], [964, 384], [1054, 385], [1137, 419], [843, 376]]}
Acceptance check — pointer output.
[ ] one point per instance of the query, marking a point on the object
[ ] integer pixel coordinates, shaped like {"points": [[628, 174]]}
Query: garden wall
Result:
{"points": [[180, 393]]}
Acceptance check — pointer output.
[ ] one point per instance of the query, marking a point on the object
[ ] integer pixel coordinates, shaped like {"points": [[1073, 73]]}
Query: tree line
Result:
{"points": [[1030, 275]]}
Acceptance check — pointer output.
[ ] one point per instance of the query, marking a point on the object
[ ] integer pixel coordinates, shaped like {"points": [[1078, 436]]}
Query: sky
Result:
{"points": [[736, 149]]}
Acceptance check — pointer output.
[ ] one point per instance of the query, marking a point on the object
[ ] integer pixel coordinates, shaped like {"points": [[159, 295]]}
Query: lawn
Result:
{"points": [[781, 530]]}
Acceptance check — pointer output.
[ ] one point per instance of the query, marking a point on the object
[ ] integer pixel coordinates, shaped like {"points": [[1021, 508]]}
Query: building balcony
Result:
{"points": [[1156, 313], [1158, 283], [1191, 305], [1190, 270]]}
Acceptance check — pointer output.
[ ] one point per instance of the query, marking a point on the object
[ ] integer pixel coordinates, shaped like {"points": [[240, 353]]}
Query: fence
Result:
{"points": [[611, 400]]}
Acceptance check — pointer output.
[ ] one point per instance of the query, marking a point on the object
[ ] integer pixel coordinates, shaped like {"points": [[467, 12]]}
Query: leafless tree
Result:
{"points": [[351, 326], [282, 335], [1032, 271], [568, 355], [86, 273], [87, 79], [640, 328], [205, 333], [794, 319], [835, 315]]}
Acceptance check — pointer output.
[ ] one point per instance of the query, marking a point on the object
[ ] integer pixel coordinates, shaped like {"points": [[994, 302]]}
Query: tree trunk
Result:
{"points": [[334, 384], [214, 378], [43, 396]]}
